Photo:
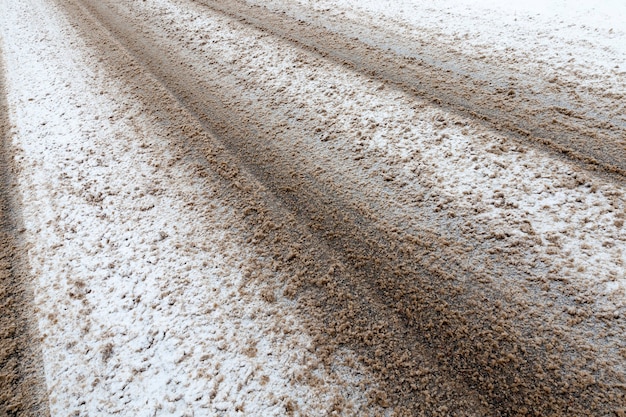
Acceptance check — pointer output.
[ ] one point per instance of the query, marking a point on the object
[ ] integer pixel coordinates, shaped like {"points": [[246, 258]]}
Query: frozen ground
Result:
{"points": [[139, 290], [142, 268], [582, 41], [570, 220]]}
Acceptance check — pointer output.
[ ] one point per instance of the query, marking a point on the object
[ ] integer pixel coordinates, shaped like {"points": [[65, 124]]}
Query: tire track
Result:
{"points": [[293, 250], [413, 323], [523, 108], [22, 391]]}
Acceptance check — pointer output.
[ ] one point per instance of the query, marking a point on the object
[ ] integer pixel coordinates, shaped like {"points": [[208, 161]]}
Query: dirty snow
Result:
{"points": [[137, 266], [572, 220], [137, 289]]}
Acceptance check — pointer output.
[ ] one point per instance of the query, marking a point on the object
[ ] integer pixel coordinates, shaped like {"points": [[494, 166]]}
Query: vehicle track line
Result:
{"points": [[362, 286], [22, 386], [273, 227], [596, 142]]}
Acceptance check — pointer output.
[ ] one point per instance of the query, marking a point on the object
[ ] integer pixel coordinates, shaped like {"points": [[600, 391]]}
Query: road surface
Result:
{"points": [[312, 208]]}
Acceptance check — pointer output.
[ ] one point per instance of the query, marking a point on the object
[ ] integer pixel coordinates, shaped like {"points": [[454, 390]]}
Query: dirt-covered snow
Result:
{"points": [[138, 269], [247, 208], [571, 221]]}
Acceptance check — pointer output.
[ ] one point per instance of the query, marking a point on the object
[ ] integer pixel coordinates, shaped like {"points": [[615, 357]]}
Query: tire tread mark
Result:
{"points": [[597, 145], [22, 384], [362, 291]]}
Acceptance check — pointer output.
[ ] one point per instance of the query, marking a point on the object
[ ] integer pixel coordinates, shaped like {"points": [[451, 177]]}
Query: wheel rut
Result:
{"points": [[22, 387], [406, 303], [526, 110]]}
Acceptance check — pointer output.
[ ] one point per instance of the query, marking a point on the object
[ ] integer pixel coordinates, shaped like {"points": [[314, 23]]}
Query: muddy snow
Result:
{"points": [[409, 255]]}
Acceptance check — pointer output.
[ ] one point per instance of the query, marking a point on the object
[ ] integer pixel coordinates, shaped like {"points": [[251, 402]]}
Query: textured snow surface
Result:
{"points": [[575, 219], [563, 33], [576, 41], [138, 269]]}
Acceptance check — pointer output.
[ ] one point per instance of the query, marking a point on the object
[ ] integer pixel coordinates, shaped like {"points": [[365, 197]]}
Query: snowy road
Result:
{"points": [[312, 208]]}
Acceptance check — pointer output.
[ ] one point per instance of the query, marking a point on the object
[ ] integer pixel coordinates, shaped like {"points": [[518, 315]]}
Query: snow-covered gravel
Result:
{"points": [[138, 269]]}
